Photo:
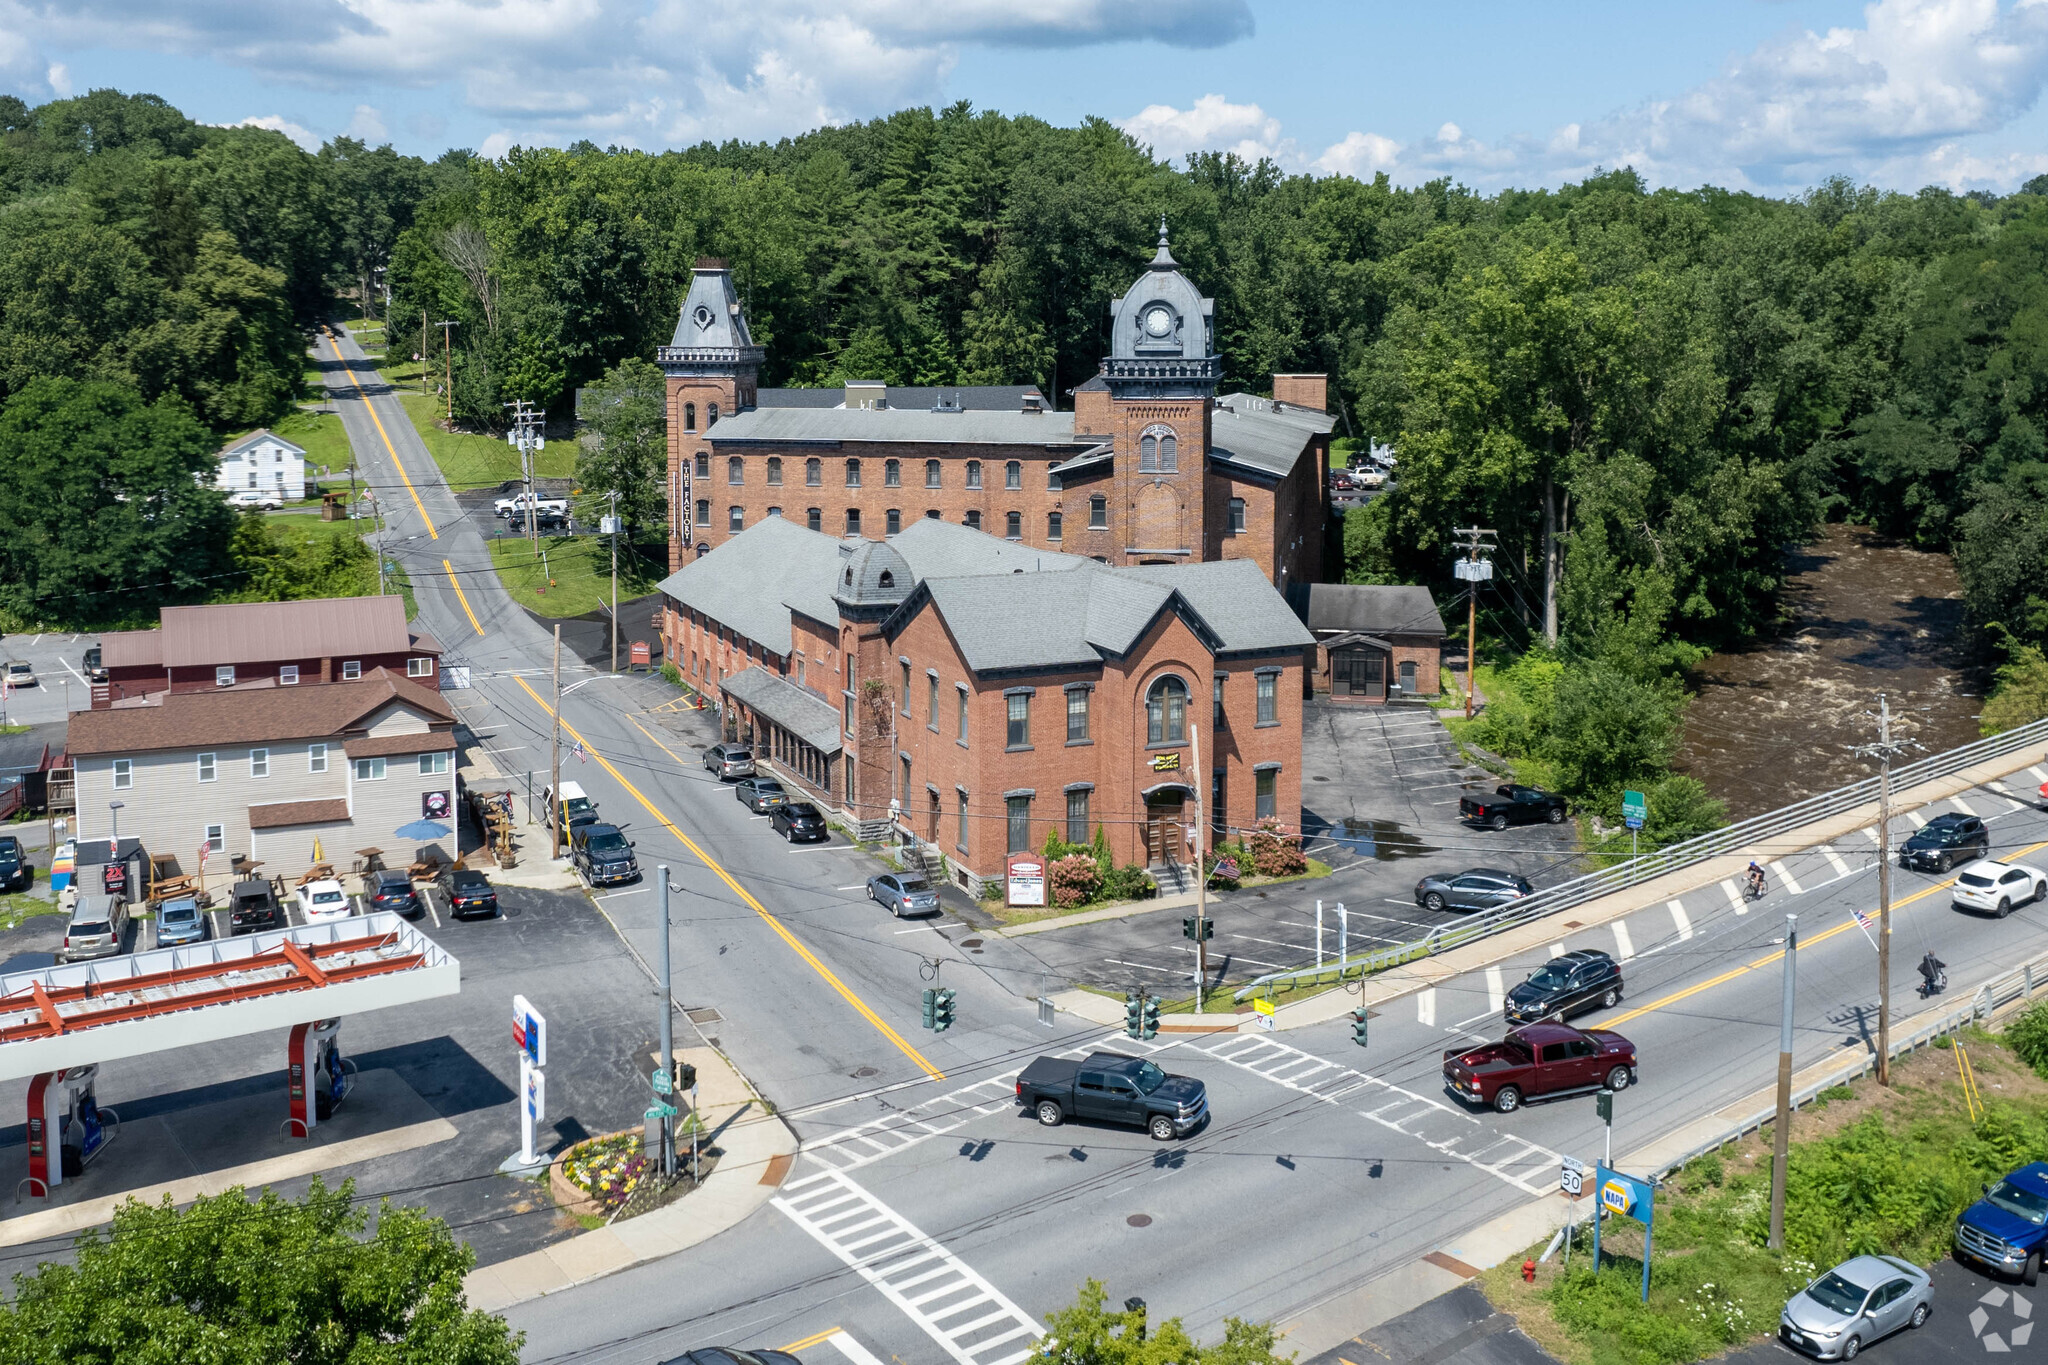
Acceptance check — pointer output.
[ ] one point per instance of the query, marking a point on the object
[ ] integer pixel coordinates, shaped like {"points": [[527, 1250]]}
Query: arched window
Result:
{"points": [[931, 513], [931, 473], [892, 520], [1013, 526], [974, 518], [1166, 712], [814, 473], [1168, 458], [1148, 454], [689, 417], [710, 416], [1013, 474], [892, 473], [974, 473], [735, 470], [775, 471], [1158, 453]]}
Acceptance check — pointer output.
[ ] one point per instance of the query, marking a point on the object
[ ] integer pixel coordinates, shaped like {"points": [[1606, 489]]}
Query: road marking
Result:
{"points": [[1148, 967], [1961, 805], [900, 1259], [1425, 1006], [1837, 861], [461, 596], [857, 886], [1870, 833], [1624, 947], [427, 895], [825, 973], [1734, 894], [920, 929], [1557, 950], [1791, 883], [74, 672], [1917, 818], [1678, 918], [855, 1353], [2038, 773], [1273, 942], [812, 1340], [1494, 990], [349, 368], [848, 1149]]}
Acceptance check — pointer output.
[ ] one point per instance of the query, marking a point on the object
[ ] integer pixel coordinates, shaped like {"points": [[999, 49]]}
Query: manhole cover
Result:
{"points": [[866, 1072], [970, 943], [1140, 1220], [705, 1015]]}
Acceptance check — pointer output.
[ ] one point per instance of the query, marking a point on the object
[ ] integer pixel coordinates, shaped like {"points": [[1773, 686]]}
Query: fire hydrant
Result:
{"points": [[1529, 1271]]}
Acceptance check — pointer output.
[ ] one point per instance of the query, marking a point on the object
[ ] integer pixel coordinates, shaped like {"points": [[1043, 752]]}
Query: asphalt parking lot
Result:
{"points": [[60, 687], [1975, 1318], [455, 1053]]}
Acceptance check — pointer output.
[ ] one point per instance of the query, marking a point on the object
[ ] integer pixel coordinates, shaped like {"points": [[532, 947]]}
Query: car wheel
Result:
{"points": [[1556, 816], [1498, 822], [1507, 1099], [1049, 1114], [2004, 907], [1919, 1317], [1617, 1078], [1433, 901], [1161, 1127], [1611, 999], [2030, 1273], [789, 835], [1943, 864], [1851, 1347]]}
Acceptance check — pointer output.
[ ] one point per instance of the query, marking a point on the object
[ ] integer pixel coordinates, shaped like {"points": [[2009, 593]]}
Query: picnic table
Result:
{"points": [[318, 872]]}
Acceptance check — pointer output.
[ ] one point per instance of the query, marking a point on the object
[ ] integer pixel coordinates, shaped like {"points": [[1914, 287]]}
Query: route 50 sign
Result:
{"points": [[1574, 1178]]}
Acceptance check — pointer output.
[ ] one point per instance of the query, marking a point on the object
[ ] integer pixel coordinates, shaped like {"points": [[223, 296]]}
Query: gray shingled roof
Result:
{"points": [[945, 549], [897, 424], [1372, 610], [751, 581], [796, 709], [1246, 429], [971, 397], [1235, 598]]}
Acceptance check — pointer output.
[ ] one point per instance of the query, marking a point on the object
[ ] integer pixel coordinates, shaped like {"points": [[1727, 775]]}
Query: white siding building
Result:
{"points": [[264, 462]]}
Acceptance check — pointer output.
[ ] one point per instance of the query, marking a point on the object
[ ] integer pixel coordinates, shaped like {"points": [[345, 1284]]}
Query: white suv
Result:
{"points": [[1998, 887]]}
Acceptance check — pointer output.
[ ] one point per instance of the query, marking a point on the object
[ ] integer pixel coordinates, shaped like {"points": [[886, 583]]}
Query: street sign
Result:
{"points": [[1265, 1009], [1634, 809], [1626, 1197], [1574, 1181], [662, 1084]]}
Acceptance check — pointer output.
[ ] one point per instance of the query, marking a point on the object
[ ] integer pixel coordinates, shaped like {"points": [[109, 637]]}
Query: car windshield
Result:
{"points": [[2025, 1203], [609, 842], [89, 927], [1833, 1292], [1547, 979], [1972, 879], [1150, 1077], [327, 898]]}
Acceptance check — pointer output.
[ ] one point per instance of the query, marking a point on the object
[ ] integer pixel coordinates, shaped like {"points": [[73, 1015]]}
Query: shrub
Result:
{"points": [[2028, 1036], [1128, 883], [670, 674], [1075, 880], [1276, 855]]}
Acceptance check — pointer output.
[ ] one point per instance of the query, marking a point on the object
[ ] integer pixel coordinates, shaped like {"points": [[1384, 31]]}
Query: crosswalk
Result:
{"points": [[969, 1319], [862, 1144]]}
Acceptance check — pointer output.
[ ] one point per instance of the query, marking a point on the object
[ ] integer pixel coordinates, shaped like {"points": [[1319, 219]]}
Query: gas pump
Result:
{"points": [[319, 1076], [64, 1113]]}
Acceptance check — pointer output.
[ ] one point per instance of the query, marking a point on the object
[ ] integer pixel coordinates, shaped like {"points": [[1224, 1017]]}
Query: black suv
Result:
{"points": [[1944, 841], [1581, 980], [15, 871], [469, 892], [798, 822], [604, 855], [389, 890]]}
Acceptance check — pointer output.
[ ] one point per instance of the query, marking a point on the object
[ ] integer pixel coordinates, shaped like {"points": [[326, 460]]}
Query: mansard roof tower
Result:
{"points": [[713, 368]]}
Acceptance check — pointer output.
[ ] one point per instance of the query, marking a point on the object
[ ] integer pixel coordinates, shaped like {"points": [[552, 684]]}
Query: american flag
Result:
{"points": [[578, 754], [1862, 919]]}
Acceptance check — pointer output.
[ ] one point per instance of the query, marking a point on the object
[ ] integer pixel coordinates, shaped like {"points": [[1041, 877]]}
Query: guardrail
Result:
{"points": [[1671, 858], [2015, 986]]}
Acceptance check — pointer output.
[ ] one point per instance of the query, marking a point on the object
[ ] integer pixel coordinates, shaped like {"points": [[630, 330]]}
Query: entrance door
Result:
{"points": [[1358, 672], [1163, 828], [1407, 677]]}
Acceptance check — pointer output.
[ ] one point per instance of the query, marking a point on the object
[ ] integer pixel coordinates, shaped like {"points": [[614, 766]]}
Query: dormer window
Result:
{"points": [[702, 317], [888, 578]]}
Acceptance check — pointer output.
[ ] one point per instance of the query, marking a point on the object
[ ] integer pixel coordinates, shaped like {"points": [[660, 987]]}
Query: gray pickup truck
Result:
{"points": [[1112, 1088]]}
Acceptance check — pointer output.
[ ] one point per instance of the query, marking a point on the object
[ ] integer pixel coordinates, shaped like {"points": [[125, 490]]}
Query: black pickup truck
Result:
{"points": [[1114, 1089], [1512, 805]]}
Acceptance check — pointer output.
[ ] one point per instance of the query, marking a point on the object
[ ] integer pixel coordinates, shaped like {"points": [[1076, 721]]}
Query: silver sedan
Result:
{"points": [[1860, 1300]]}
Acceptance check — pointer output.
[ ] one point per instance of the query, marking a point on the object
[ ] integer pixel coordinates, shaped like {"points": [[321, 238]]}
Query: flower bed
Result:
{"points": [[595, 1178]]}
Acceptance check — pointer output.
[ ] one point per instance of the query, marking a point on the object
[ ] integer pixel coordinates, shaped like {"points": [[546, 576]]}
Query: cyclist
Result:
{"points": [[1756, 881], [1933, 969]]}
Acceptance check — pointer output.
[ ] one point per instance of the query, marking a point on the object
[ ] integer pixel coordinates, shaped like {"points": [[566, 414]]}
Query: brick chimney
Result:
{"points": [[1303, 390]]}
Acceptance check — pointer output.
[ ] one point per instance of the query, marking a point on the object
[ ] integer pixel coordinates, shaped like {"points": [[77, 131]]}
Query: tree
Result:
{"points": [[625, 445], [1086, 1333], [235, 1281], [374, 192]]}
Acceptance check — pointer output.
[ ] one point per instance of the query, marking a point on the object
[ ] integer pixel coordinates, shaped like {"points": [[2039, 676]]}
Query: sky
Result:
{"points": [[1766, 95]]}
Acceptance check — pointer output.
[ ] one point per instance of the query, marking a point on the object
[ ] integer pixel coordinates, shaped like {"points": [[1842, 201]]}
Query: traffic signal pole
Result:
{"points": [[668, 1028], [1201, 872]]}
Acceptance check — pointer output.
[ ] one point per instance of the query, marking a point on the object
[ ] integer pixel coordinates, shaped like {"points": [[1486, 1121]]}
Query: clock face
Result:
{"points": [[1159, 321]]}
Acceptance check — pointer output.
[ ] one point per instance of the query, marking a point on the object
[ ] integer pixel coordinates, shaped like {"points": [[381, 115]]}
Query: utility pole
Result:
{"points": [[448, 362], [526, 434], [1884, 751], [1781, 1134], [1473, 540], [1201, 874], [423, 350], [555, 758], [668, 1029], [612, 522]]}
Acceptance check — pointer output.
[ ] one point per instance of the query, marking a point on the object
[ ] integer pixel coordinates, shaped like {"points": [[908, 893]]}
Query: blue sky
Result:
{"points": [[1772, 95]]}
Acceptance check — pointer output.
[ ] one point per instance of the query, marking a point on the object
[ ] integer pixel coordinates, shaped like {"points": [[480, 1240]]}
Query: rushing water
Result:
{"points": [[1774, 721]]}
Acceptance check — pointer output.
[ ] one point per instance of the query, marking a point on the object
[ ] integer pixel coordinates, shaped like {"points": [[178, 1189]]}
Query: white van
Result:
{"points": [[577, 808]]}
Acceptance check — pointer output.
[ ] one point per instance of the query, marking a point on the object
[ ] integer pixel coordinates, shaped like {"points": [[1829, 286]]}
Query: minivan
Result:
{"points": [[98, 928]]}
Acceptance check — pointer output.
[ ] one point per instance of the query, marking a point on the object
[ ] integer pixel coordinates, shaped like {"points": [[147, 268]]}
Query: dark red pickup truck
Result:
{"points": [[1539, 1060]]}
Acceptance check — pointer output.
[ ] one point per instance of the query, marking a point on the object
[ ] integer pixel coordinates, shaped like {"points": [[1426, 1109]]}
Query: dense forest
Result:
{"points": [[1647, 393]]}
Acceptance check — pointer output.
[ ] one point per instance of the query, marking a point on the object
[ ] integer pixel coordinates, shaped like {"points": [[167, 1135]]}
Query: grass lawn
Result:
{"points": [[320, 435], [307, 529], [1871, 1170], [472, 461], [578, 575]]}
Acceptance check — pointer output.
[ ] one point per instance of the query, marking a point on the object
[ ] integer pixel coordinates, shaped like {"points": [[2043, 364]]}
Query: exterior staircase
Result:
{"points": [[1174, 878]]}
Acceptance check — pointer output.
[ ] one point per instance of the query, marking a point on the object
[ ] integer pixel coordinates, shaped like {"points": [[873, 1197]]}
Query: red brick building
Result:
{"points": [[1374, 644], [1150, 467], [972, 693], [265, 644]]}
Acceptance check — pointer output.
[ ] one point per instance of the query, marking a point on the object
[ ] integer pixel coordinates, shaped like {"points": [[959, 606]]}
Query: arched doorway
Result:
{"points": [[1165, 825]]}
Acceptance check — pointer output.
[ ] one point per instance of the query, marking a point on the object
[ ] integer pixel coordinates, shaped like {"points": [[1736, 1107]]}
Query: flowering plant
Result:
{"points": [[608, 1169]]}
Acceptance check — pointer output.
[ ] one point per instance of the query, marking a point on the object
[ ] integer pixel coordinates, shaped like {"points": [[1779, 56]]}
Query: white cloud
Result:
{"points": [[1212, 124], [59, 77], [298, 133], [367, 125]]}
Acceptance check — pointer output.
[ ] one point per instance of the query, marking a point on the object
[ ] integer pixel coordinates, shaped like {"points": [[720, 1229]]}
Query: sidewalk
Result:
{"points": [[530, 839], [756, 1151]]}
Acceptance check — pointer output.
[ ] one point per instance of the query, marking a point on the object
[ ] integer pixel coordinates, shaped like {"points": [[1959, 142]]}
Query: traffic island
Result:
{"points": [[612, 1177]]}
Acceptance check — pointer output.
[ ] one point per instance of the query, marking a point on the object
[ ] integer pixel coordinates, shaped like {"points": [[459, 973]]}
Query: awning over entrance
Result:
{"points": [[804, 714]]}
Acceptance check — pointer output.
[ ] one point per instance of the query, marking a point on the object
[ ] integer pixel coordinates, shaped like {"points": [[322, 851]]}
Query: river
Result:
{"points": [[1774, 721]]}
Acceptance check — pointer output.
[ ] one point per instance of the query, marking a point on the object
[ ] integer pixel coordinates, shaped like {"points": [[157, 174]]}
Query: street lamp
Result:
{"points": [[114, 812]]}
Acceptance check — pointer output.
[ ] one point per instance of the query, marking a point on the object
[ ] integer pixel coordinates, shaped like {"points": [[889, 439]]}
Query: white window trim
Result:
{"points": [[419, 667], [316, 758], [259, 763], [372, 769], [288, 675], [215, 837], [124, 774], [434, 764], [209, 767], [351, 669]]}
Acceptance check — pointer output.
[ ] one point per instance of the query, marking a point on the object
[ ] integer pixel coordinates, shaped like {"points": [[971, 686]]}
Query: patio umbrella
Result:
{"points": [[422, 829]]}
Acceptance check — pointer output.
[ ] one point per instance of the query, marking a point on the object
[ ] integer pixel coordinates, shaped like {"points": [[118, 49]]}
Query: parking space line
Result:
{"points": [[1148, 967], [1625, 947], [920, 929], [1494, 990], [1273, 942], [1678, 918]]}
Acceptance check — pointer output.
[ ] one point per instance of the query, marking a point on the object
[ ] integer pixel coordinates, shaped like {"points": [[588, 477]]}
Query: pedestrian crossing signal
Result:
{"points": [[1358, 1024]]}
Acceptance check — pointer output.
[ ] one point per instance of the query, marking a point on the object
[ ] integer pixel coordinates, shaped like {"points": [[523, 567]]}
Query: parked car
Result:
{"points": [[732, 1355], [1944, 841], [506, 507], [389, 890], [1998, 887], [20, 673], [90, 665], [1860, 1300], [15, 869], [603, 855], [179, 922], [98, 927], [903, 893], [469, 892], [323, 900], [1539, 1061], [1113, 1088], [545, 519], [577, 808], [253, 905], [1481, 888], [799, 822], [761, 794], [729, 761], [1581, 980], [1512, 804], [2006, 1231], [254, 497]]}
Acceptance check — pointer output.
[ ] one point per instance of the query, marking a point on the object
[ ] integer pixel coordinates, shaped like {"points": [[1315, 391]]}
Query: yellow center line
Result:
{"points": [[824, 972], [812, 1340], [461, 596], [1762, 962], [371, 408]]}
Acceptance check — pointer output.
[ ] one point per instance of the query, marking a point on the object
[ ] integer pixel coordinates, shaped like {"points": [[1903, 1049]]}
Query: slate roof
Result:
{"points": [[946, 549], [203, 720], [1332, 608], [1248, 430], [796, 709], [897, 424], [1235, 598], [750, 582], [972, 397]]}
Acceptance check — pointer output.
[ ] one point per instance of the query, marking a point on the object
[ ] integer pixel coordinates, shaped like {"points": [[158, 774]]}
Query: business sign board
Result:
{"points": [[1624, 1196], [1024, 875]]}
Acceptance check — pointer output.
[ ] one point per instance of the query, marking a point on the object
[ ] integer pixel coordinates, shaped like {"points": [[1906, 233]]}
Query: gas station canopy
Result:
{"points": [[133, 1005]]}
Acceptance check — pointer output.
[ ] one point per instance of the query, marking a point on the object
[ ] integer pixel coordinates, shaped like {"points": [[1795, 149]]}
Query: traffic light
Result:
{"points": [[1134, 1014], [1187, 927], [931, 1009], [1603, 1105], [1151, 1016], [1358, 1024], [943, 1011], [686, 1076]]}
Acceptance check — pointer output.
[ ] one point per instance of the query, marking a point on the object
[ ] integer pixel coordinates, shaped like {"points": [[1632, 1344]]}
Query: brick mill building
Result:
{"points": [[973, 692], [1150, 467]]}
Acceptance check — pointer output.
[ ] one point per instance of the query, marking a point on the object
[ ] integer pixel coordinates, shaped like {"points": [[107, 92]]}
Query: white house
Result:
{"points": [[266, 462]]}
